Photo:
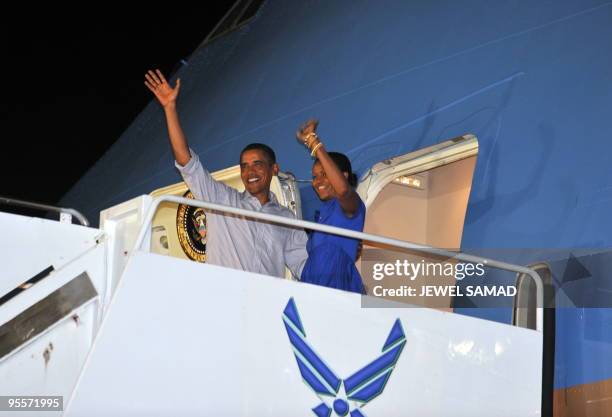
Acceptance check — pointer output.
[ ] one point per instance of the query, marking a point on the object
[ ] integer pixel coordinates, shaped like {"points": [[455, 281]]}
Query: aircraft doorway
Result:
{"points": [[419, 197]]}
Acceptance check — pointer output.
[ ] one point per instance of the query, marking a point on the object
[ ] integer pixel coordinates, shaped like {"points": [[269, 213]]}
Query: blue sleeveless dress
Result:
{"points": [[331, 258]]}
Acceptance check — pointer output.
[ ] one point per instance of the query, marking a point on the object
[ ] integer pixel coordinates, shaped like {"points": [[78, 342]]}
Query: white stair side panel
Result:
{"points": [[182, 338], [28, 245], [50, 362]]}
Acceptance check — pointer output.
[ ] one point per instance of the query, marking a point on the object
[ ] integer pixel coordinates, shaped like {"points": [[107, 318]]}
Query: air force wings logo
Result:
{"points": [[358, 389]]}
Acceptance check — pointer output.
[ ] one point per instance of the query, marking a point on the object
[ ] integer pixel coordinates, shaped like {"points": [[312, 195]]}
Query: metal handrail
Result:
{"points": [[302, 224], [29, 204]]}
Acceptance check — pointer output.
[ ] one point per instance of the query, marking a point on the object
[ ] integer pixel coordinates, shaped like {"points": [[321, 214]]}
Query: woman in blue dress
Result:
{"points": [[331, 258]]}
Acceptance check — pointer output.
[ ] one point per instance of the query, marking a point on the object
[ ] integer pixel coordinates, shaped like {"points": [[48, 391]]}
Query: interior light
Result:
{"points": [[409, 181]]}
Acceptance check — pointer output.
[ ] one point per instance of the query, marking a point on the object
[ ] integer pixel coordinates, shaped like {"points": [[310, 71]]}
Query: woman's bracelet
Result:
{"points": [[316, 147], [310, 139]]}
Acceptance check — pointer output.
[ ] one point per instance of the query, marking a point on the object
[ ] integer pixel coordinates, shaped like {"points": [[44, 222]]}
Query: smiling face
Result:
{"points": [[256, 171], [321, 184]]}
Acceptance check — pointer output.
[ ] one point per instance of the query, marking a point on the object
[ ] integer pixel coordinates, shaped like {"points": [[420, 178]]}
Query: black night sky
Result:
{"points": [[73, 82]]}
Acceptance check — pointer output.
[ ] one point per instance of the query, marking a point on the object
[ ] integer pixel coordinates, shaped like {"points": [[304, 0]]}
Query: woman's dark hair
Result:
{"points": [[344, 164]]}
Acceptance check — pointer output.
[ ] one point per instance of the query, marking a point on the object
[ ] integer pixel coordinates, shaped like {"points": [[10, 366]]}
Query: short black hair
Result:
{"points": [[260, 147]]}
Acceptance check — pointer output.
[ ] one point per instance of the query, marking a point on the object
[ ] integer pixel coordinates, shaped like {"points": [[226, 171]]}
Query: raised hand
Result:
{"points": [[307, 132], [165, 94]]}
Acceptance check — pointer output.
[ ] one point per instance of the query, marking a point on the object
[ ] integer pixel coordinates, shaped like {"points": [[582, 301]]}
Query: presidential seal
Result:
{"points": [[191, 230]]}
